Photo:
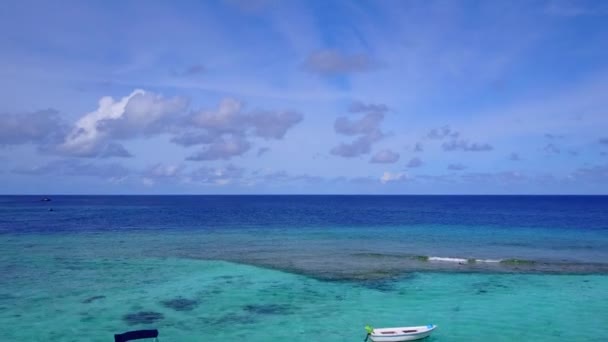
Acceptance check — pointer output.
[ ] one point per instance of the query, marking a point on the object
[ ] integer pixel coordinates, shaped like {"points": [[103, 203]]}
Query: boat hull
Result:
{"points": [[401, 334]]}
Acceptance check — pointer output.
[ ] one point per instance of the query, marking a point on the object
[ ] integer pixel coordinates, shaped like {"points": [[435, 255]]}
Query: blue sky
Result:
{"points": [[261, 96]]}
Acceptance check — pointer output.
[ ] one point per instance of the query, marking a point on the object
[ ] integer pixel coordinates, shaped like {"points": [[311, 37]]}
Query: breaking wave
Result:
{"points": [[462, 260]]}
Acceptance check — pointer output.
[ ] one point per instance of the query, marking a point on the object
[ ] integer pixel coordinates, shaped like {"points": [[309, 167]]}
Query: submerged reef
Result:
{"points": [[268, 309], [92, 299], [180, 304], [230, 320], [142, 317], [516, 262]]}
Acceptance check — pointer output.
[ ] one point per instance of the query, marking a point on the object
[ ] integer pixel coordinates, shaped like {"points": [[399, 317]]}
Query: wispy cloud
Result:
{"points": [[442, 132], [333, 62], [262, 151], [360, 107], [258, 83], [414, 162], [593, 174], [368, 124], [456, 167], [192, 70], [361, 145], [40, 128], [552, 149], [569, 8], [226, 132], [367, 128], [514, 157], [464, 145], [222, 148], [75, 168]]}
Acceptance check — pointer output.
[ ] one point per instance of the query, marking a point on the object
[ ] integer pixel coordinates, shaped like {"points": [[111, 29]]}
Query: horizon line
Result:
{"points": [[284, 194]]}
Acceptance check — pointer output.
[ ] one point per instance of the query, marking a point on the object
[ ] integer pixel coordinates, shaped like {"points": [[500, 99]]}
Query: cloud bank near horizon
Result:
{"points": [[382, 97]]}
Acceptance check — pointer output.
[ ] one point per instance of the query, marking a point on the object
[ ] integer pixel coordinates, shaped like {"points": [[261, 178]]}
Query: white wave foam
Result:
{"points": [[447, 259], [488, 260], [462, 260]]}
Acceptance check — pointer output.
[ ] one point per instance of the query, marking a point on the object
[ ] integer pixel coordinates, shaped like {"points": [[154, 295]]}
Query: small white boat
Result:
{"points": [[400, 333]]}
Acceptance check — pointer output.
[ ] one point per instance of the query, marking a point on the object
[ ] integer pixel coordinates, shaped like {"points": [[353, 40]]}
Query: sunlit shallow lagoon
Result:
{"points": [[96, 266]]}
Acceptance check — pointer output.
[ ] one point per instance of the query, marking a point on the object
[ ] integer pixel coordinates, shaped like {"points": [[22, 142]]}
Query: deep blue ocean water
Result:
{"points": [[79, 213], [259, 268], [557, 233]]}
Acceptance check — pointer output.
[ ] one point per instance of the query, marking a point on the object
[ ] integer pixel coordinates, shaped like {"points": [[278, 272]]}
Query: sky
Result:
{"points": [[303, 97]]}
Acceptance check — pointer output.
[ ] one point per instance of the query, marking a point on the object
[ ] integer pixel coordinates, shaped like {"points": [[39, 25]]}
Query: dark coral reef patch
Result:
{"points": [[142, 317], [180, 304]]}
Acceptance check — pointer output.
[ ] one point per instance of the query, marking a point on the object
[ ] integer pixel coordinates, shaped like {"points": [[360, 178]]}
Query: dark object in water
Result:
{"points": [[143, 317], [136, 335], [45, 199], [51, 209]]}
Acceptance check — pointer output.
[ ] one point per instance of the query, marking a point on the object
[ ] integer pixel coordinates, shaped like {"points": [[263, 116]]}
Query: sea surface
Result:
{"points": [[303, 268]]}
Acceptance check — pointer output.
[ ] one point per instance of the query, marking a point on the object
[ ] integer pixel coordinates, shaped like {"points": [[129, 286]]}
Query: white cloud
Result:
{"points": [[389, 177], [227, 131], [224, 132], [227, 117], [217, 176], [139, 113], [84, 137]]}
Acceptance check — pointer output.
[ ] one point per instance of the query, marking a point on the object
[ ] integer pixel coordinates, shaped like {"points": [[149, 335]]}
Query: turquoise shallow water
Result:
{"points": [[92, 288], [309, 268]]}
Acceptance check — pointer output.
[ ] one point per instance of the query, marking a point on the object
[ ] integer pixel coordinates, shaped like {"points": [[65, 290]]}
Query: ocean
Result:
{"points": [[303, 268]]}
